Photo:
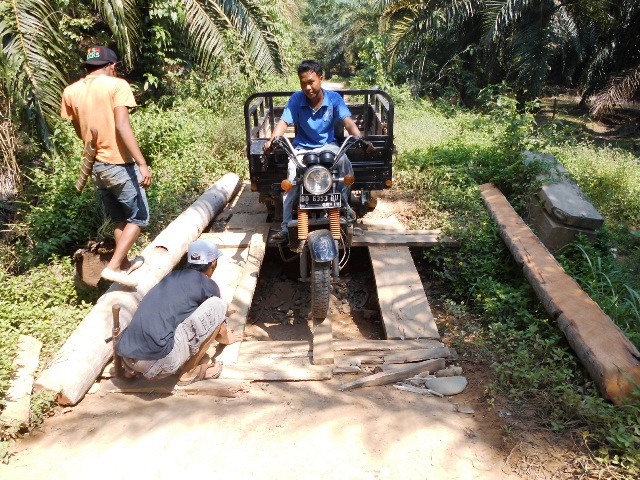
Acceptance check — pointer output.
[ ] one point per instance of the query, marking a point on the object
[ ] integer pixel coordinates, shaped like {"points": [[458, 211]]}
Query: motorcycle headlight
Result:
{"points": [[317, 180]]}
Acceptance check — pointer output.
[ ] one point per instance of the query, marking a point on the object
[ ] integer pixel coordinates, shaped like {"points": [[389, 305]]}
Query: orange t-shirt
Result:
{"points": [[91, 102]]}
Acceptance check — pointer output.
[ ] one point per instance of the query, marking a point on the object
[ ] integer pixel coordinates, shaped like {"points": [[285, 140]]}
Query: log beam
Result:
{"points": [[613, 362]]}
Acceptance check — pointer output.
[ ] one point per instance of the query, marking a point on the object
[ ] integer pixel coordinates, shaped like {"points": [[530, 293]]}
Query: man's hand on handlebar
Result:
{"points": [[368, 144], [267, 147]]}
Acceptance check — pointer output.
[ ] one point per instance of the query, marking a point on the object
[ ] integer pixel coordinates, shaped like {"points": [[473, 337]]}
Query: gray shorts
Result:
{"points": [[189, 337]]}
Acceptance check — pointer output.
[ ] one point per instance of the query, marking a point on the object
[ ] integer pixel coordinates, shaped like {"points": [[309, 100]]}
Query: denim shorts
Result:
{"points": [[122, 196]]}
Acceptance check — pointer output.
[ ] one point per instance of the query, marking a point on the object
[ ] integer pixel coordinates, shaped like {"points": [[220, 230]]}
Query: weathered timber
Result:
{"points": [[323, 343], [417, 355], [403, 303], [230, 239], [383, 345], [295, 369], [85, 353], [399, 372], [612, 361], [215, 388], [300, 347], [411, 238], [243, 295], [18, 396], [432, 366]]}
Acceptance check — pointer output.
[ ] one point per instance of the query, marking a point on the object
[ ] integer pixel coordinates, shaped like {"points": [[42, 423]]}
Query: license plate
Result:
{"points": [[328, 200]]}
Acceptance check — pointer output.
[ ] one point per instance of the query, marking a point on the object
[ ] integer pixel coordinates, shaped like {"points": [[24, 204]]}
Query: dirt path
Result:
{"points": [[280, 430]]}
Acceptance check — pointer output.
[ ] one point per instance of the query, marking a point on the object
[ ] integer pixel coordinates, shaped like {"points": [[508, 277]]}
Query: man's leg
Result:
{"points": [[125, 235]]}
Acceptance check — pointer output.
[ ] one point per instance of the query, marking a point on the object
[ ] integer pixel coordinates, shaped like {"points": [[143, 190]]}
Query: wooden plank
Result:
{"points": [[323, 343], [613, 362], [417, 355], [234, 239], [407, 238], [401, 372], [296, 369], [435, 365], [18, 396], [243, 295], [404, 306], [273, 346], [167, 386], [383, 345]]}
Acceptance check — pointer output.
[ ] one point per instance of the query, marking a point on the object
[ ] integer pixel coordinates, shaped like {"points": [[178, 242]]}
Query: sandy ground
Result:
{"points": [[282, 430]]}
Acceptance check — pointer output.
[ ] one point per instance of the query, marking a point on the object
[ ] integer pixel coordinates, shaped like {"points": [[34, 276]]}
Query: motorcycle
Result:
{"points": [[321, 227]]}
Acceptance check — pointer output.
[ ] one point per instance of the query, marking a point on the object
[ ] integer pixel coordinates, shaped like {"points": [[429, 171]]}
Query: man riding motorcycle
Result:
{"points": [[313, 110]]}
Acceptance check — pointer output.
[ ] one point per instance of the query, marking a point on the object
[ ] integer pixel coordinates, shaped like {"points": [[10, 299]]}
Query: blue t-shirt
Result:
{"points": [[314, 128], [150, 334]]}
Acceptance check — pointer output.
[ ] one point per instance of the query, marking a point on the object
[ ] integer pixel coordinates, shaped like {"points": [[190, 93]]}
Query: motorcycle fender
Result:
{"points": [[321, 246]]}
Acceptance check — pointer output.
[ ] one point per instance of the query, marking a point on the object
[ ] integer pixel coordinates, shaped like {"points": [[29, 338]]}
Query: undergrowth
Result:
{"points": [[531, 358]]}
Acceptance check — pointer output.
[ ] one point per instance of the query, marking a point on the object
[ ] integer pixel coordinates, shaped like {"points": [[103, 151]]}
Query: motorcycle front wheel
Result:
{"points": [[320, 289]]}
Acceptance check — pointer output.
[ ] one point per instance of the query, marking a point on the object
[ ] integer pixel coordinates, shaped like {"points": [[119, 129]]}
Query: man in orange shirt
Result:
{"points": [[101, 101]]}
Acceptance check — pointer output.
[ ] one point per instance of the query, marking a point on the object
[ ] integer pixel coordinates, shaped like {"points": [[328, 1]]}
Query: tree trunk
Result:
{"points": [[86, 352]]}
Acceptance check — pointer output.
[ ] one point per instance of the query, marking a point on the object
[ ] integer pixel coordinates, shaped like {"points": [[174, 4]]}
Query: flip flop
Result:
{"points": [[204, 372], [136, 263], [119, 277]]}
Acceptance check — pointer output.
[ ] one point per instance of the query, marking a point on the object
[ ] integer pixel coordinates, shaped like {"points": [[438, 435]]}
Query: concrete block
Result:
{"points": [[567, 203], [551, 232]]}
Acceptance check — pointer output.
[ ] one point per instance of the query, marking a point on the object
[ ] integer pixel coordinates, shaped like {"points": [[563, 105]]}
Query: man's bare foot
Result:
{"points": [[229, 337]]}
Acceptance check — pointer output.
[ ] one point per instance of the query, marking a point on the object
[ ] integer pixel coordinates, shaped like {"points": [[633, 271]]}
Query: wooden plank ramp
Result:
{"points": [[403, 302], [242, 233]]}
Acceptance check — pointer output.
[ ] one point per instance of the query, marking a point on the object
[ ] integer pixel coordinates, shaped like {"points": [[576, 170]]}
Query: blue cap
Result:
{"points": [[202, 252]]}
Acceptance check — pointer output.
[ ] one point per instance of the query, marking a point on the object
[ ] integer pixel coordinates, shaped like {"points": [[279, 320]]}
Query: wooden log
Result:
{"points": [[167, 386], [403, 303], [613, 362], [79, 362], [400, 372], [18, 396]]}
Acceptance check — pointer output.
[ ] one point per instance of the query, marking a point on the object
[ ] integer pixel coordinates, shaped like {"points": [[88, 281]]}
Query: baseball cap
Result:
{"points": [[100, 55], [202, 252]]}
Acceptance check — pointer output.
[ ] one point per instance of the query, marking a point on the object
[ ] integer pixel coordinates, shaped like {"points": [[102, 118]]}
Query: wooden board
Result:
{"points": [[243, 295], [610, 358], [235, 239], [349, 346], [400, 372], [295, 369], [403, 304], [323, 343], [217, 387], [383, 234]]}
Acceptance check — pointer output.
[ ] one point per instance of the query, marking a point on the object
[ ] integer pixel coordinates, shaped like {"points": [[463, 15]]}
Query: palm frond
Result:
{"points": [[621, 88], [209, 23], [125, 23], [35, 54]]}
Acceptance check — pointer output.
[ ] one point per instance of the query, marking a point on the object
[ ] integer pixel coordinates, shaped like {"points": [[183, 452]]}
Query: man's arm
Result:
{"points": [[281, 128], [353, 129], [124, 131]]}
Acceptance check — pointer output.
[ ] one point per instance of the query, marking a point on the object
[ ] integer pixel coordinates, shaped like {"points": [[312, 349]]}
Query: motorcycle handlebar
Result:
{"points": [[285, 144]]}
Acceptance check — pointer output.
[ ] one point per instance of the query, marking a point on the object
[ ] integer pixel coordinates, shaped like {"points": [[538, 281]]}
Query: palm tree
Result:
{"points": [[37, 57]]}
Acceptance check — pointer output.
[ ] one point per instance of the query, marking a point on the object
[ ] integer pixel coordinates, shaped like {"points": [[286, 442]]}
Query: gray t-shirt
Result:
{"points": [[149, 336]]}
